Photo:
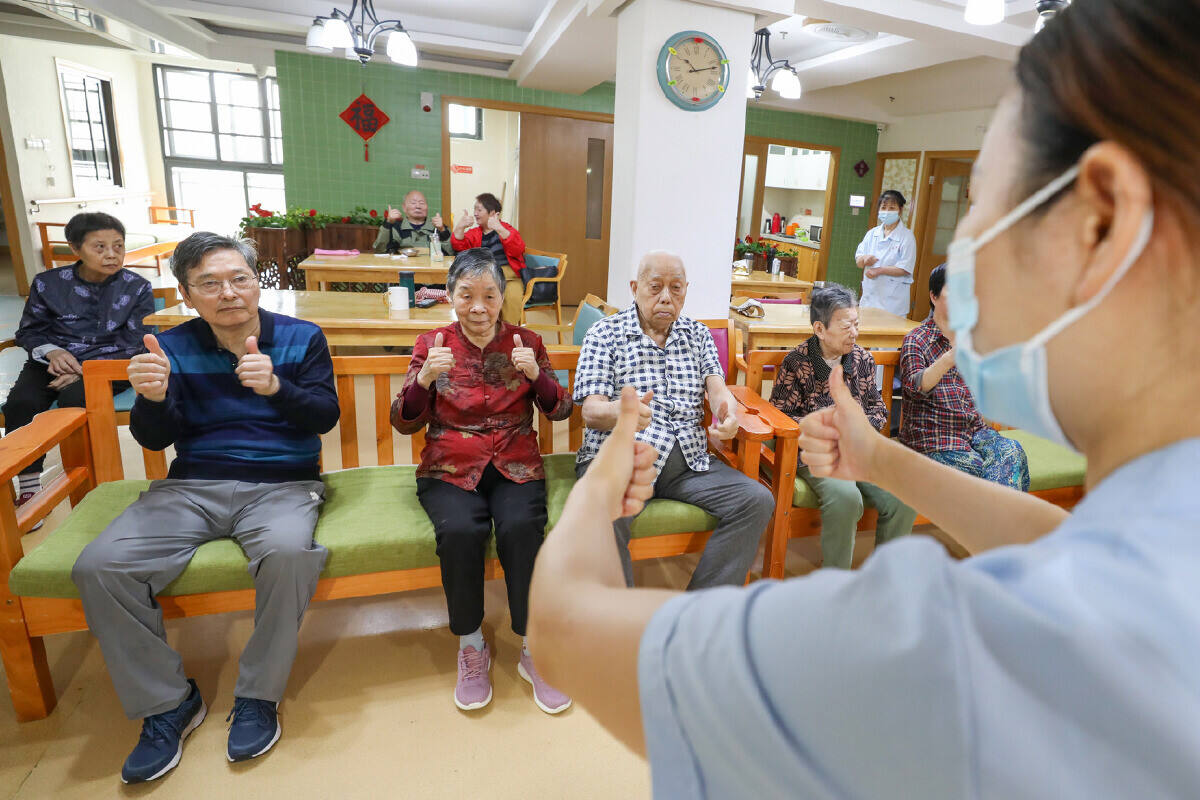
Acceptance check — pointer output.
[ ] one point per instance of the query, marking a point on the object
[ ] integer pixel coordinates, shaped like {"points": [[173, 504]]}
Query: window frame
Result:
{"points": [[107, 92], [268, 165], [478, 135]]}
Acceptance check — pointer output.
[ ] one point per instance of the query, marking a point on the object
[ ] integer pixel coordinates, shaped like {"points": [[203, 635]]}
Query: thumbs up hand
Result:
{"points": [[839, 441], [256, 371], [148, 372], [645, 412], [524, 359], [724, 419], [439, 360]]}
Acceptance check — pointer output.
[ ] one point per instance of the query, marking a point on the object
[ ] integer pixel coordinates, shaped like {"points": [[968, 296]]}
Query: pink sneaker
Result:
{"points": [[474, 688], [548, 699]]}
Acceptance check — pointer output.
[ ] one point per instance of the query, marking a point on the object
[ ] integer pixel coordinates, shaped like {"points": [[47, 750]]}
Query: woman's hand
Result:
{"points": [[873, 272], [622, 474], [439, 360], [494, 224], [60, 362], [462, 223], [524, 359], [63, 381], [839, 441]]}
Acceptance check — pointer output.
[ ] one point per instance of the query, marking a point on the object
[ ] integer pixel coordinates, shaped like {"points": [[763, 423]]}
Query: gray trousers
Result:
{"points": [[150, 544], [742, 505]]}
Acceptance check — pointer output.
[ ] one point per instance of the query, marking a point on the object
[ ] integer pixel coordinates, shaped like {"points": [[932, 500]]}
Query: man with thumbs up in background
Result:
{"points": [[244, 395], [673, 363]]}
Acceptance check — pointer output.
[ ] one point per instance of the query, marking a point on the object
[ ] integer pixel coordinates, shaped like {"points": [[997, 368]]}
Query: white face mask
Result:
{"points": [[889, 217], [1012, 384]]}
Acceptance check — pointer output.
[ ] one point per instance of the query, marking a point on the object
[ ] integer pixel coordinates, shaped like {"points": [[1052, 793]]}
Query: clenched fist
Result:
{"points": [[524, 359], [256, 371], [439, 360]]}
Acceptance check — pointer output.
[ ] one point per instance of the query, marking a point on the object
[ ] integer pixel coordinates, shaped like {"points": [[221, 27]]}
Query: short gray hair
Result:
{"points": [[190, 253], [828, 300], [474, 263]]}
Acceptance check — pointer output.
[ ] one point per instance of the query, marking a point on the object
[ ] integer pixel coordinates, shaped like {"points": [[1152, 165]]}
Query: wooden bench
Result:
{"points": [[379, 539], [1056, 473]]}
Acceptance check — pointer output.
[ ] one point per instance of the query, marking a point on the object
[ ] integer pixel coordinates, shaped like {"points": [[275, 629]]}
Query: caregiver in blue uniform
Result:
{"points": [[1063, 663]]}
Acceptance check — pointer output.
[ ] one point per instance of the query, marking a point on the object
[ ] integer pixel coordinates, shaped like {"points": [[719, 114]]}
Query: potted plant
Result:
{"points": [[279, 239]]}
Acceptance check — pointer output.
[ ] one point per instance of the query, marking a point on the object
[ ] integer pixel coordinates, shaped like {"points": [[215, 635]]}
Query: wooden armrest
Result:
{"points": [[750, 426], [783, 426], [562, 348], [538, 326], [7, 343], [25, 445]]}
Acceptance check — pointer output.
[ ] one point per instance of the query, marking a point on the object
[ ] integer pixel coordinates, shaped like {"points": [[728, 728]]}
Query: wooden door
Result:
{"points": [[566, 197], [948, 200]]}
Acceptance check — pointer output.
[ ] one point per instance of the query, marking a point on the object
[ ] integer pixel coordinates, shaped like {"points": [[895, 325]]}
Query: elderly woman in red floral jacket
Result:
{"points": [[475, 383]]}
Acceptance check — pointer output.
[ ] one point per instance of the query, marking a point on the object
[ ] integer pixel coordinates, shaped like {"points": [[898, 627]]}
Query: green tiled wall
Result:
{"points": [[859, 142], [323, 163]]}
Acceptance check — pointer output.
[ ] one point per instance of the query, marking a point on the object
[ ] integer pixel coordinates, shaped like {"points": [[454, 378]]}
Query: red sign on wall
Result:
{"points": [[365, 118], [462, 169]]}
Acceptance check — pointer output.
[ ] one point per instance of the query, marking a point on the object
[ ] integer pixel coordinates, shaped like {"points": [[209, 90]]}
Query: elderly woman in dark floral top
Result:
{"points": [[474, 383], [802, 386]]}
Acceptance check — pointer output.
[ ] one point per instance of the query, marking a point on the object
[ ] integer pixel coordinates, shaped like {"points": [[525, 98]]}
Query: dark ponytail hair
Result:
{"points": [[1126, 71]]}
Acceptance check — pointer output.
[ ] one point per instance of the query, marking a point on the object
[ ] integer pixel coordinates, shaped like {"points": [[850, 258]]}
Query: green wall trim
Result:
{"points": [[323, 164]]}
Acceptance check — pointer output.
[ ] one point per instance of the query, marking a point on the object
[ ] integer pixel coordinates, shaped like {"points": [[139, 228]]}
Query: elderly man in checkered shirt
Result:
{"points": [[672, 361]]}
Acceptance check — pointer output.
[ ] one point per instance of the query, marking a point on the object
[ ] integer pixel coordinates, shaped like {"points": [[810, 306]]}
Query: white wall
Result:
{"points": [[675, 172], [493, 160], [951, 130], [34, 110]]}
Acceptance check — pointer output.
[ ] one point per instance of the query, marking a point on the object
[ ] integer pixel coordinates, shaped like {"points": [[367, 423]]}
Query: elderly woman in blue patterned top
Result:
{"points": [[672, 361], [90, 309]]}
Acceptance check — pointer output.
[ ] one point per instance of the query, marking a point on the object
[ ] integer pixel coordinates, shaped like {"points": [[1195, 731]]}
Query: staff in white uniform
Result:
{"points": [[887, 255]]}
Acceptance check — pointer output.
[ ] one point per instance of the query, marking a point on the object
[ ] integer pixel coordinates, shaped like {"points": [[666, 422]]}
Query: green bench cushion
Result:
{"points": [[370, 522], [133, 241], [1051, 466]]}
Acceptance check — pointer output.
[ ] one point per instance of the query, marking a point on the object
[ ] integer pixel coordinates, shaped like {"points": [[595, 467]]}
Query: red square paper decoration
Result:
{"points": [[364, 117]]}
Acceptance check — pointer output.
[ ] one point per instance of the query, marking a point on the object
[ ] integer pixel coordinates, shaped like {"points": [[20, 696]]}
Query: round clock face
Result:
{"points": [[693, 70]]}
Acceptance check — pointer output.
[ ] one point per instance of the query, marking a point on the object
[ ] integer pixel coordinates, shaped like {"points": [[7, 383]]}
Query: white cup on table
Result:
{"points": [[397, 297]]}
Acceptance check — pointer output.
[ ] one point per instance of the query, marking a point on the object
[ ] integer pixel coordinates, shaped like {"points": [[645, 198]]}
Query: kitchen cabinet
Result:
{"points": [[808, 259], [797, 169]]}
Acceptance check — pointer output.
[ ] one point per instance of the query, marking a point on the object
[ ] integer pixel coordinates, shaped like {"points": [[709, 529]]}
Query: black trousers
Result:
{"points": [[462, 523], [31, 395]]}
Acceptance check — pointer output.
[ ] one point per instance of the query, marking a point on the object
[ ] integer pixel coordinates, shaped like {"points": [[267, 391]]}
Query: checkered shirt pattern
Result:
{"points": [[617, 353], [945, 418]]}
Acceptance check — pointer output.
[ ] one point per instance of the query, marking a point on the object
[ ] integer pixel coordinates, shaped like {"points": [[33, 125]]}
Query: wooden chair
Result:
{"points": [[591, 309], [540, 259]]}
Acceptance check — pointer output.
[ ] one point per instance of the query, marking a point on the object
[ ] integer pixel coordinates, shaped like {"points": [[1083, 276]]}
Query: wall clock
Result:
{"points": [[693, 70]]}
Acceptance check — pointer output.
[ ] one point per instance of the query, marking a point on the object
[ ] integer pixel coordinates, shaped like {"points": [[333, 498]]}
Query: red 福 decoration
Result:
{"points": [[366, 119]]}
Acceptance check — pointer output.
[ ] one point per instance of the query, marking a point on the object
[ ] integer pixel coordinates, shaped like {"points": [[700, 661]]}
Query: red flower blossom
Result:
{"points": [[374, 213], [345, 219], [312, 212]]}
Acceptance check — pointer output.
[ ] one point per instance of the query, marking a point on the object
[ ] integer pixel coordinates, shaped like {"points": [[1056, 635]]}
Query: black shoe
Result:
{"points": [[255, 728], [161, 744]]}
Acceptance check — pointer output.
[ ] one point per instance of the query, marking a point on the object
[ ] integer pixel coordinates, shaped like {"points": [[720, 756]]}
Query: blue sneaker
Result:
{"points": [[255, 728], [161, 744]]}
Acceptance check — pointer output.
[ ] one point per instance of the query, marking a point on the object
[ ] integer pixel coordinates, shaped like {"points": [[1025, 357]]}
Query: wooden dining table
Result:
{"points": [[786, 326], [320, 271], [764, 283], [346, 318]]}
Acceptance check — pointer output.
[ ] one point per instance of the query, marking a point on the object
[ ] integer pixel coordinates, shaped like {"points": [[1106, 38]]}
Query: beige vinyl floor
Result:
{"points": [[368, 712]]}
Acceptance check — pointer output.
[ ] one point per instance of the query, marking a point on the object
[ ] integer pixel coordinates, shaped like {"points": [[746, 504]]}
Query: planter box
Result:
{"points": [[343, 236], [279, 251]]}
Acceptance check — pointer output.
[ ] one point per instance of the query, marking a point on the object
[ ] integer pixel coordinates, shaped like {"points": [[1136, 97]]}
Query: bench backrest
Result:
{"points": [[759, 361], [386, 371]]}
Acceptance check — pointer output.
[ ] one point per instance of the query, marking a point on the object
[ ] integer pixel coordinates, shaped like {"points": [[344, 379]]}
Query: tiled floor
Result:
{"points": [[368, 711]]}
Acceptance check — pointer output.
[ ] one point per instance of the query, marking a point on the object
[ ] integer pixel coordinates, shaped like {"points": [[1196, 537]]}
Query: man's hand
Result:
{"points": [[60, 362], [645, 412], [439, 360], [622, 474], [839, 441], [256, 371], [523, 358], [724, 420], [63, 381], [148, 372], [437, 221], [393, 214]]}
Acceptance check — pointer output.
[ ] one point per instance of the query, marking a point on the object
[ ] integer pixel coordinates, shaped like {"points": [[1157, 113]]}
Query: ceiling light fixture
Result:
{"points": [[984, 12], [339, 30], [1048, 10], [786, 82]]}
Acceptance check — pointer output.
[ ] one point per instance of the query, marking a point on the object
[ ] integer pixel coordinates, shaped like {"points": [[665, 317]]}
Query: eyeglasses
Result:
{"points": [[239, 283]]}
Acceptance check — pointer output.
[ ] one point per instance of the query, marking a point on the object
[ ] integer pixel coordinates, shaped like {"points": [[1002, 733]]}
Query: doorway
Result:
{"points": [[559, 196], [941, 207]]}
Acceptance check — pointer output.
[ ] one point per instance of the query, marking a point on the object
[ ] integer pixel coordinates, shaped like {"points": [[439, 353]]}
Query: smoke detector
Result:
{"points": [[835, 31]]}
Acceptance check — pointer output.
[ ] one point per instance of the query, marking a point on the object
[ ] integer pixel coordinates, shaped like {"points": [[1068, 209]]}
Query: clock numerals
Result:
{"points": [[693, 71]]}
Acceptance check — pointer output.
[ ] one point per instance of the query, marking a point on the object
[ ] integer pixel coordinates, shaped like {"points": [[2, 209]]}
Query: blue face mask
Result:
{"points": [[1012, 385], [889, 217]]}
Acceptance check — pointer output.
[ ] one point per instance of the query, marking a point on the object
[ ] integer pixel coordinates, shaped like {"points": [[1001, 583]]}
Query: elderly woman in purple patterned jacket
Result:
{"points": [[90, 309]]}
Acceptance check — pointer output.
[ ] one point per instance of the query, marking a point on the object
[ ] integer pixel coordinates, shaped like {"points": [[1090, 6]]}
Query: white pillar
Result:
{"points": [[676, 172]]}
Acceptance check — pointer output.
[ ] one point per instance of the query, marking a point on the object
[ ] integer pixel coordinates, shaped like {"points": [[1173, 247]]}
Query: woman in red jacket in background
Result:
{"points": [[505, 244]]}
